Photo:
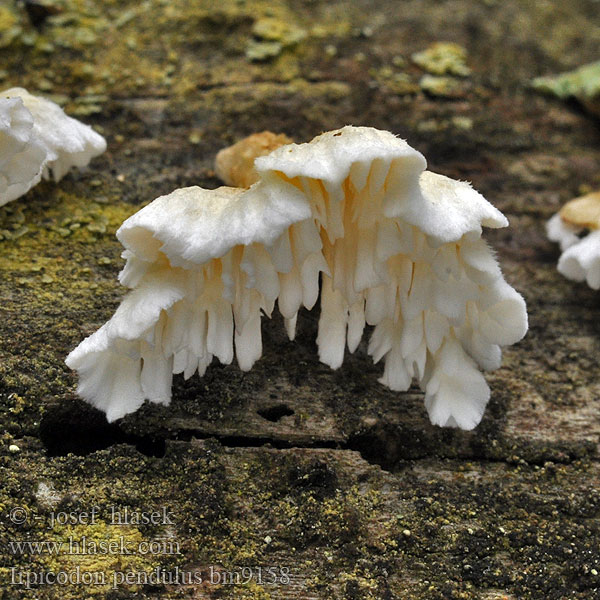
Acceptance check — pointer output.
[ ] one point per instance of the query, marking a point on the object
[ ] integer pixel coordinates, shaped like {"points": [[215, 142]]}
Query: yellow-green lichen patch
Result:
{"points": [[10, 27], [582, 83], [443, 87], [261, 50], [51, 275], [272, 36], [273, 29], [102, 553], [154, 48], [394, 81], [79, 528], [59, 214], [443, 58]]}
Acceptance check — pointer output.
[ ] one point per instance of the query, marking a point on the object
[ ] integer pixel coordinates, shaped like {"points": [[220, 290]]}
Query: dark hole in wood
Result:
{"points": [[275, 413], [73, 428]]}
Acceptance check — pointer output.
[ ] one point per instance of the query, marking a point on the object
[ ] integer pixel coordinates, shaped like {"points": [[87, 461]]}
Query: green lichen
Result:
{"points": [[401, 84], [68, 217], [443, 58], [272, 29], [582, 83], [442, 87], [10, 27], [272, 36], [263, 50]]}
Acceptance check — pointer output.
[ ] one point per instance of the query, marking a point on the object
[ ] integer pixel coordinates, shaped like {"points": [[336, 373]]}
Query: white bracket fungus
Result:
{"points": [[393, 246], [37, 139], [580, 259]]}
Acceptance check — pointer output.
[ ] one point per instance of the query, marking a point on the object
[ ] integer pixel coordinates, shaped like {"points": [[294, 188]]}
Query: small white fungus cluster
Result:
{"points": [[37, 139], [353, 214], [577, 229]]}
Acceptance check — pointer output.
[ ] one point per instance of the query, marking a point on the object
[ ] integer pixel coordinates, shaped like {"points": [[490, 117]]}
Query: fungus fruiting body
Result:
{"points": [[352, 214], [235, 164], [37, 139], [22, 157], [576, 227]]}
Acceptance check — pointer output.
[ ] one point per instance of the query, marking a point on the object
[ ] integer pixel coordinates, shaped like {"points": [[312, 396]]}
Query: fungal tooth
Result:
{"points": [[331, 338], [562, 232], [407, 236], [381, 340], [113, 382], [421, 291], [342, 262], [358, 175], [448, 299], [397, 375], [479, 262], [436, 329], [176, 328], [197, 332], [402, 271], [501, 324], [290, 326], [281, 253], [242, 308], [411, 336], [486, 354], [388, 240], [227, 278], [419, 360], [266, 279], [456, 393], [316, 192], [365, 273], [502, 318], [376, 307], [180, 361], [581, 262], [377, 175], [335, 193], [156, 375], [203, 363], [248, 341], [305, 240], [446, 263], [219, 338], [290, 296], [248, 265], [421, 250], [356, 324], [191, 365], [309, 275], [334, 207], [134, 270]]}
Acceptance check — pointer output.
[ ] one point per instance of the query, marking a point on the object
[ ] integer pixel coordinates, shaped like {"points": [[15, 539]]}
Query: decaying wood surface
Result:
{"points": [[324, 476]]}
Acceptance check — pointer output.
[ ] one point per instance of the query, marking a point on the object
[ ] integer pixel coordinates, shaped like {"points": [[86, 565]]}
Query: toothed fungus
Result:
{"points": [[21, 156], [580, 260], [353, 213], [37, 139]]}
